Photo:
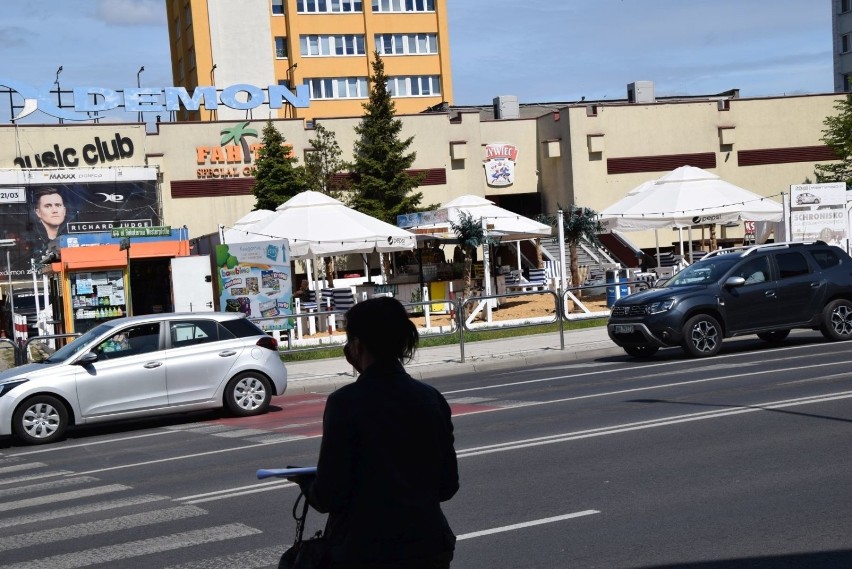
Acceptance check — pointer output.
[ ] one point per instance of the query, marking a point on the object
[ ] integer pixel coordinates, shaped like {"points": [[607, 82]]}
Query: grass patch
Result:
{"points": [[475, 336]]}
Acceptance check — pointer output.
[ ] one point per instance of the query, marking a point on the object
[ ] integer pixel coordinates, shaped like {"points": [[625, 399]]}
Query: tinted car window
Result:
{"points": [[702, 272], [754, 271], [791, 265], [825, 258], [191, 332], [139, 339], [242, 328]]}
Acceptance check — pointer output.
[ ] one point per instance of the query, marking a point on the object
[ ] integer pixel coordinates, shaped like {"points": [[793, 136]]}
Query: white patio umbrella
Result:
{"points": [[317, 225], [684, 197]]}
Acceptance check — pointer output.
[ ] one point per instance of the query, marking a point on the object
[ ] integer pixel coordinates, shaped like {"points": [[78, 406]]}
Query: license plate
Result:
{"points": [[624, 328]]}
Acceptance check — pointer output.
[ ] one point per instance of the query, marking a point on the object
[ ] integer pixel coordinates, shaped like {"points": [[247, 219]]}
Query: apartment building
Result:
{"points": [[326, 45], [841, 28]]}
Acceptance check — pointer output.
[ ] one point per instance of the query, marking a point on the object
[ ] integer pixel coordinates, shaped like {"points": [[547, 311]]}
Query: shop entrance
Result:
{"points": [[150, 286]]}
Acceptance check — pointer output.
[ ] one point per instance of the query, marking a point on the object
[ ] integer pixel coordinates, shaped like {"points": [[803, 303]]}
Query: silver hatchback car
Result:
{"points": [[144, 365]]}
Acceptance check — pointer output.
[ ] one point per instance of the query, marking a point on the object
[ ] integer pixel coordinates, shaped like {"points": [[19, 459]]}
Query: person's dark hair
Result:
{"points": [[41, 192], [383, 327]]}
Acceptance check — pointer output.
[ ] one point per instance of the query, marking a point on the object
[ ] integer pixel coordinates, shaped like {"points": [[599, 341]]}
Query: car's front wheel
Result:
{"points": [[248, 394], [837, 320], [39, 420], [774, 337], [645, 351], [702, 336]]}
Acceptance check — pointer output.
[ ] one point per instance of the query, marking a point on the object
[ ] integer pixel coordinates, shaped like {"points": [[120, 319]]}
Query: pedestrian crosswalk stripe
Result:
{"points": [[252, 559], [32, 476], [43, 487], [20, 467], [62, 497], [99, 527], [80, 510], [113, 553]]}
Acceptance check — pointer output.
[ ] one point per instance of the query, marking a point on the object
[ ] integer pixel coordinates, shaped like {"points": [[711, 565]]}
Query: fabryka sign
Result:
{"points": [[87, 100]]}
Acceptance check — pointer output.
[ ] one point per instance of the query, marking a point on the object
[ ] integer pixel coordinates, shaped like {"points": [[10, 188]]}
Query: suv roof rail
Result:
{"points": [[748, 249]]}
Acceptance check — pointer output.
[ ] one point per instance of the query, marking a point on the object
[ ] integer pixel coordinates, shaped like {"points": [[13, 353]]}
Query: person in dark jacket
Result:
{"points": [[387, 458]]}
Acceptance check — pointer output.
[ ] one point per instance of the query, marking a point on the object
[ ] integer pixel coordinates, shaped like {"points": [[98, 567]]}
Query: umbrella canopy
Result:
{"points": [[684, 197], [317, 225], [508, 225]]}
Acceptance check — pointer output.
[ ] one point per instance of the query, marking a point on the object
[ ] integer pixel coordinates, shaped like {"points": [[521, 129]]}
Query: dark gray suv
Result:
{"points": [[765, 290]]}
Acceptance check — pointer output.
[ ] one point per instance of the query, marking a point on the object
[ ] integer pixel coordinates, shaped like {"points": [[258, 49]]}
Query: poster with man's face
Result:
{"points": [[37, 206]]}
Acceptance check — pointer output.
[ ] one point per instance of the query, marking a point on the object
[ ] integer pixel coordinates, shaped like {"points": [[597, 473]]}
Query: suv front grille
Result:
{"points": [[636, 310]]}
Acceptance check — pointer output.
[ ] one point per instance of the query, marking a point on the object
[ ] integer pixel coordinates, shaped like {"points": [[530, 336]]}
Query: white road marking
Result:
{"points": [[47, 486], [232, 492], [648, 388], [665, 421], [523, 525], [80, 510], [100, 527], [51, 448], [53, 498], [21, 466], [30, 477], [115, 553]]}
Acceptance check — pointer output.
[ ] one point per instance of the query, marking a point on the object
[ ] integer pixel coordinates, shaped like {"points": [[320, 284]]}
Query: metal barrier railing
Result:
{"points": [[459, 322], [24, 352]]}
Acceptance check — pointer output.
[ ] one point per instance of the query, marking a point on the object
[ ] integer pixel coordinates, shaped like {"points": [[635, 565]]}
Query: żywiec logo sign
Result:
{"points": [[87, 100], [500, 164]]}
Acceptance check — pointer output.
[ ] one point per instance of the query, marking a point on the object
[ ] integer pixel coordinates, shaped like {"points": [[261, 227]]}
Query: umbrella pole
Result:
{"points": [[657, 243], [689, 236]]}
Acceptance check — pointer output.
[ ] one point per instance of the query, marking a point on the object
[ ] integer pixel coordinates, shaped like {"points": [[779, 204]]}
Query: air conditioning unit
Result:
{"points": [[640, 92], [506, 107]]}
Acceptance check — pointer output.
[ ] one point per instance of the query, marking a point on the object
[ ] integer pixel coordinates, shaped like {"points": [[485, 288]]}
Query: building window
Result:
{"points": [[403, 5], [845, 43], [845, 5], [187, 15], [407, 44], [177, 28], [277, 7], [280, 46], [190, 58], [338, 87], [325, 46], [180, 69], [328, 6], [415, 86]]}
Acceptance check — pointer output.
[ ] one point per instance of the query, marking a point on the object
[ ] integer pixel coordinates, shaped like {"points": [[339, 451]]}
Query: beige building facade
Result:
{"points": [[587, 154]]}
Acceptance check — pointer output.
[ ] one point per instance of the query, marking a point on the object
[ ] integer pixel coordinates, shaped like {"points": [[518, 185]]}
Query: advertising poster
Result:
{"points": [[254, 278], [818, 211], [38, 207]]}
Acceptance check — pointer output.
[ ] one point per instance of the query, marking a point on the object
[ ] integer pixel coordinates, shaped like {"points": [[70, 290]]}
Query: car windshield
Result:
{"points": [[78, 344], [703, 272]]}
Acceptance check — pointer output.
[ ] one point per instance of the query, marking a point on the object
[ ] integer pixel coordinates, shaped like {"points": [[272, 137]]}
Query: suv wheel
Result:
{"points": [[702, 336], [645, 351], [837, 320], [39, 420], [774, 337]]}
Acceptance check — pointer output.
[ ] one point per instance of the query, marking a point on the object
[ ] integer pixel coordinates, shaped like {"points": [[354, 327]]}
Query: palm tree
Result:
{"points": [[470, 235], [237, 134], [578, 223]]}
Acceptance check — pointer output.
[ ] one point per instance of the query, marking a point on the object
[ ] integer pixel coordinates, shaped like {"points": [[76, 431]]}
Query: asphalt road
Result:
{"points": [[741, 460]]}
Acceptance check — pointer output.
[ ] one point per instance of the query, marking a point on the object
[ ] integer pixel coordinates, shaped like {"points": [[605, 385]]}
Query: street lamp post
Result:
{"points": [[58, 90], [139, 86]]}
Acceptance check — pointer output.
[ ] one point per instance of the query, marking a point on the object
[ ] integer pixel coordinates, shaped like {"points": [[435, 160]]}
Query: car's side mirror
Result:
{"points": [[87, 358], [660, 283], [735, 282]]}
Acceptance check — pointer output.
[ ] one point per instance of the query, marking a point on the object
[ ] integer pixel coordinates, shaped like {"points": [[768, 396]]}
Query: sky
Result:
{"points": [[537, 50]]}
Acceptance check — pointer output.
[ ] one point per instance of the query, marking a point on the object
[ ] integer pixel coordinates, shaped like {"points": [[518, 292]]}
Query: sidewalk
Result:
{"points": [[329, 374]]}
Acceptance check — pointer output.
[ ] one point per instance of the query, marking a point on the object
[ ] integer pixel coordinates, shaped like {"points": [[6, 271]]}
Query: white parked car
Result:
{"points": [[141, 366]]}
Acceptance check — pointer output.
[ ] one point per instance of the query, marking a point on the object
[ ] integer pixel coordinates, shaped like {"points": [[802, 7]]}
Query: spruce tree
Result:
{"points": [[383, 188], [324, 164], [277, 175]]}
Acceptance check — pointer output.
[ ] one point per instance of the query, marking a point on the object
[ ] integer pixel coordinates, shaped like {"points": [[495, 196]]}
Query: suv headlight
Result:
{"points": [[7, 387], [661, 306]]}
